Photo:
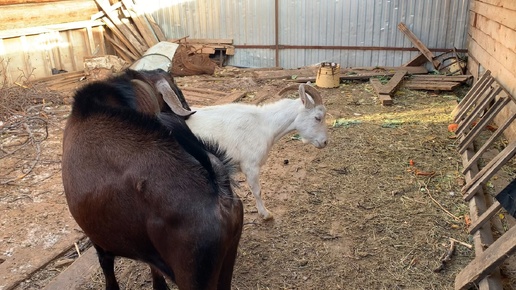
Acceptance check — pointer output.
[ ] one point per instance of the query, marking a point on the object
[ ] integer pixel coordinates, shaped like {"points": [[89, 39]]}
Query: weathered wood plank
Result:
{"points": [[141, 23], [230, 98], [488, 143], [78, 273], [419, 45], [482, 123], [204, 40], [385, 99], [39, 14], [418, 60], [485, 217], [482, 104], [393, 83], [121, 31], [441, 78], [470, 98], [430, 86], [486, 262], [488, 171], [205, 91], [483, 236], [155, 27]]}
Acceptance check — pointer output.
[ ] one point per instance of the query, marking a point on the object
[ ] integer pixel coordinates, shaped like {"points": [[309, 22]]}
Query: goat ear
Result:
{"points": [[146, 98], [306, 99], [171, 98]]}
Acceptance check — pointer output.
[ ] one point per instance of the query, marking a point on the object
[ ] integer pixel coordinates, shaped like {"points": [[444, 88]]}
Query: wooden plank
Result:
{"points": [[388, 69], [483, 104], [441, 78], [393, 83], [482, 123], [78, 273], [385, 99], [488, 143], [488, 171], [155, 27], [485, 217], [125, 53], [203, 90], [498, 13], [483, 236], [141, 23], [430, 86], [203, 40], [485, 263], [124, 33], [230, 98], [21, 16], [128, 45], [48, 28], [419, 45], [418, 60], [504, 55], [471, 97], [102, 13]]}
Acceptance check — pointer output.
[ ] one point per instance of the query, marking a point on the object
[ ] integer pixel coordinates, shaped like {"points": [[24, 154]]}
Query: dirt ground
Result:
{"points": [[353, 215]]}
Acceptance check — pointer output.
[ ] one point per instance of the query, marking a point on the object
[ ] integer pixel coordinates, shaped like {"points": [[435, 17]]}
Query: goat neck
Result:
{"points": [[282, 116]]}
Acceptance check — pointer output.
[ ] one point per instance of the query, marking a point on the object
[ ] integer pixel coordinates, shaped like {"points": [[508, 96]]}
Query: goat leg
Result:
{"points": [[107, 263]]}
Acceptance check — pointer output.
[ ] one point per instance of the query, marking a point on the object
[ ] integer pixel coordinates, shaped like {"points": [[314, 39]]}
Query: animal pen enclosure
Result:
{"points": [[394, 43]]}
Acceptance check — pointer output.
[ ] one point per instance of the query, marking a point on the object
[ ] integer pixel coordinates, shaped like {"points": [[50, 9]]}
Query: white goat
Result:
{"points": [[247, 132]]}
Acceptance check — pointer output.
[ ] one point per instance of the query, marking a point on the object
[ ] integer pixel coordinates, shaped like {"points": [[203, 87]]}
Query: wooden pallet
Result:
{"points": [[478, 108]]}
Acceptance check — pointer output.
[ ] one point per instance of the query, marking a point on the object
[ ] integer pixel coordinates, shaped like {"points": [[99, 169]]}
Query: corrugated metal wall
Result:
{"points": [[350, 32]]}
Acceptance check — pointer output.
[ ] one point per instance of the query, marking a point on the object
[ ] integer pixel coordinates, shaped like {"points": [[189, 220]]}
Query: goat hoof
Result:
{"points": [[268, 217]]}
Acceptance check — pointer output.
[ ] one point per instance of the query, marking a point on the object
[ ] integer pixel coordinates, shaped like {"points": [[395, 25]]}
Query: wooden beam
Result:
{"points": [[419, 45]]}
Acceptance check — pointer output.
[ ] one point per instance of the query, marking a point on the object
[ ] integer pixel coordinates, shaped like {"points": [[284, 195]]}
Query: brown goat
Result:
{"points": [[142, 186]]}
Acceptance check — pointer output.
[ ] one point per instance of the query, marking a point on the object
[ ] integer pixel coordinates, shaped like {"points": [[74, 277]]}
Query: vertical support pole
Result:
{"points": [[276, 28]]}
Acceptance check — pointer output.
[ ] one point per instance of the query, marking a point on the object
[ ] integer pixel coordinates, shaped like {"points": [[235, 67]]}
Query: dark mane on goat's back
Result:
{"points": [[101, 95]]}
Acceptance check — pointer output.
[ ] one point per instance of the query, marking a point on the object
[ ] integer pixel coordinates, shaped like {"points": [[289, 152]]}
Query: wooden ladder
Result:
{"points": [[478, 108]]}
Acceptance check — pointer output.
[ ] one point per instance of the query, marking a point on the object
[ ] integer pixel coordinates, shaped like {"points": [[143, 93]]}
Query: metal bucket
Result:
{"points": [[328, 75]]}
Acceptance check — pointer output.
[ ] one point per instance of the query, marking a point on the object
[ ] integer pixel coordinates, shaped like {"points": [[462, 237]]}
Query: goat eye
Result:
{"points": [[318, 119]]}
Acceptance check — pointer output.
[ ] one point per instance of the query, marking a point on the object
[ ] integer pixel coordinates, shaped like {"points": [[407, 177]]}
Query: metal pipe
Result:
{"points": [[278, 47]]}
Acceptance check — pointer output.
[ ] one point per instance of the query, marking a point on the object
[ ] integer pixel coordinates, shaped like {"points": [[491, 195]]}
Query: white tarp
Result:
{"points": [[158, 56]]}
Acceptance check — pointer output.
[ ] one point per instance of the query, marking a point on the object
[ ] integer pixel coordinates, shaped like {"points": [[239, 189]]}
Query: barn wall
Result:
{"points": [[37, 36], [352, 32], [492, 46]]}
